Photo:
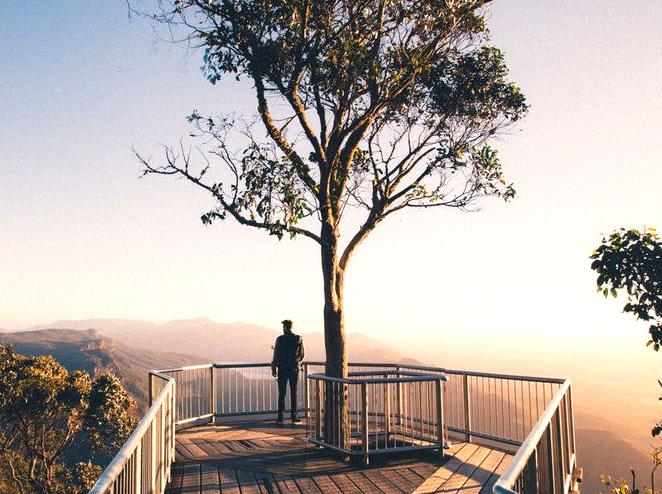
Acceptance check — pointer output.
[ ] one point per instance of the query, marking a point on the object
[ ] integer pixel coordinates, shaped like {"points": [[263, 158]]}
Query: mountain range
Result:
{"points": [[219, 342]]}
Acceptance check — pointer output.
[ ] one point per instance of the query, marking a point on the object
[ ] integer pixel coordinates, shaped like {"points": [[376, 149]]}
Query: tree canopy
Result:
{"points": [[376, 104], [50, 416]]}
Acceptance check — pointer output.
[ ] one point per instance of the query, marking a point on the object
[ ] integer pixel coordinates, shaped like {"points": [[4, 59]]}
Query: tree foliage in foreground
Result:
{"points": [[50, 416], [631, 260], [622, 486]]}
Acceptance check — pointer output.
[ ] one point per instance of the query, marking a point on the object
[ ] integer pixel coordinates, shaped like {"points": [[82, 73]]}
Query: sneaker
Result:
{"points": [[296, 420]]}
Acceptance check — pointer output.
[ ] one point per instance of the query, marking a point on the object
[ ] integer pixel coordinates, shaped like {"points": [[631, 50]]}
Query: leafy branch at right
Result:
{"points": [[631, 260]]}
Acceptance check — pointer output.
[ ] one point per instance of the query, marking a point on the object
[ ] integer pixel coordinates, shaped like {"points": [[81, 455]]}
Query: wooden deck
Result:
{"points": [[266, 457]]}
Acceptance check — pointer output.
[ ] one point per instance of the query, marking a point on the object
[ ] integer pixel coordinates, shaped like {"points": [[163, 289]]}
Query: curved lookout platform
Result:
{"points": [[412, 429]]}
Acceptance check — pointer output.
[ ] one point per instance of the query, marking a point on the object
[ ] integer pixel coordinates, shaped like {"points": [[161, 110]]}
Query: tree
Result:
{"points": [[48, 415], [631, 259], [373, 105]]}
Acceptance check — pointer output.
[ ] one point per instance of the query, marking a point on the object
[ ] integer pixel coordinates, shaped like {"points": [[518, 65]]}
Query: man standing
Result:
{"points": [[288, 355]]}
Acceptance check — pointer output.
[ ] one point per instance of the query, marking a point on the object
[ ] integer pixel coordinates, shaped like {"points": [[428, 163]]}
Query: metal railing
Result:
{"points": [[546, 461], [531, 416], [211, 391], [142, 466], [384, 411]]}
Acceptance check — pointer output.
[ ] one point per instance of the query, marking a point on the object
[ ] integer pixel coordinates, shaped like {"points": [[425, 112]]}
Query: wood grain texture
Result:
{"points": [[271, 458]]}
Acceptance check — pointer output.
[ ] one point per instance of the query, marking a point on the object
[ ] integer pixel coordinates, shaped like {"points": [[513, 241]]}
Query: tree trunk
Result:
{"points": [[336, 405]]}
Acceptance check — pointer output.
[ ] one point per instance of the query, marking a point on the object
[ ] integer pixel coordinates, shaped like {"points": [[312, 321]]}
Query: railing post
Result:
{"points": [[536, 464], [150, 390], [467, 407], [173, 415], [364, 421], [163, 448], [387, 411], [137, 473], [440, 415], [559, 440], [398, 398], [550, 458], [306, 392], [152, 454], [318, 409], [212, 393], [571, 416]]}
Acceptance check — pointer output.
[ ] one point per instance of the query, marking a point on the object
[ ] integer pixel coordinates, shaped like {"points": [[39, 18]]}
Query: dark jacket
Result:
{"points": [[288, 353]]}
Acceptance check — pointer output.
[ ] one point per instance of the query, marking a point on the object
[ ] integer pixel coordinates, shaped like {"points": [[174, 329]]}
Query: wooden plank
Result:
{"points": [[410, 476], [306, 485], [228, 481], [265, 483], [483, 473], [247, 482], [191, 478], [442, 474], [181, 453], [345, 484], [458, 480], [381, 482], [221, 449], [423, 470], [498, 471], [326, 485], [209, 481], [235, 446], [193, 451], [399, 481], [363, 483], [286, 485], [209, 450]]}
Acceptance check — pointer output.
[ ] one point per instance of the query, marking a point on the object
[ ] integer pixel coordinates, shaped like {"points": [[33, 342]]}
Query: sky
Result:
{"points": [[82, 236]]}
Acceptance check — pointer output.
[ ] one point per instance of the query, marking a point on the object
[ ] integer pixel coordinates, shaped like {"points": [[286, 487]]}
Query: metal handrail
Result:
{"points": [[429, 368], [133, 444], [405, 377], [506, 483]]}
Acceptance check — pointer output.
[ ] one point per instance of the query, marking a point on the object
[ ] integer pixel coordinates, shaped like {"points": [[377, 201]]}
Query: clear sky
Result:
{"points": [[81, 236]]}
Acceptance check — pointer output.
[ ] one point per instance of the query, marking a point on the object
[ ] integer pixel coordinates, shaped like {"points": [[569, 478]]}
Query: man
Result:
{"points": [[288, 355]]}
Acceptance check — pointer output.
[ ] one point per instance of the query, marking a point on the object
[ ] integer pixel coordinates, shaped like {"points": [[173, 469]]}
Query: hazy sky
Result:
{"points": [[81, 236]]}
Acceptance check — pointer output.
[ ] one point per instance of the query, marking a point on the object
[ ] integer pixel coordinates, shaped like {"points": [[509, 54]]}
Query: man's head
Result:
{"points": [[287, 326]]}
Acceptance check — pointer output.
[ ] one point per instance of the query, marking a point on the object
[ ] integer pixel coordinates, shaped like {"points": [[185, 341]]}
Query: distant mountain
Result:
{"points": [[91, 351], [220, 342]]}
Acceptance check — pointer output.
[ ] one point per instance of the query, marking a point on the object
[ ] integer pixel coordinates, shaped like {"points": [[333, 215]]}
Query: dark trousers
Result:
{"points": [[285, 376]]}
